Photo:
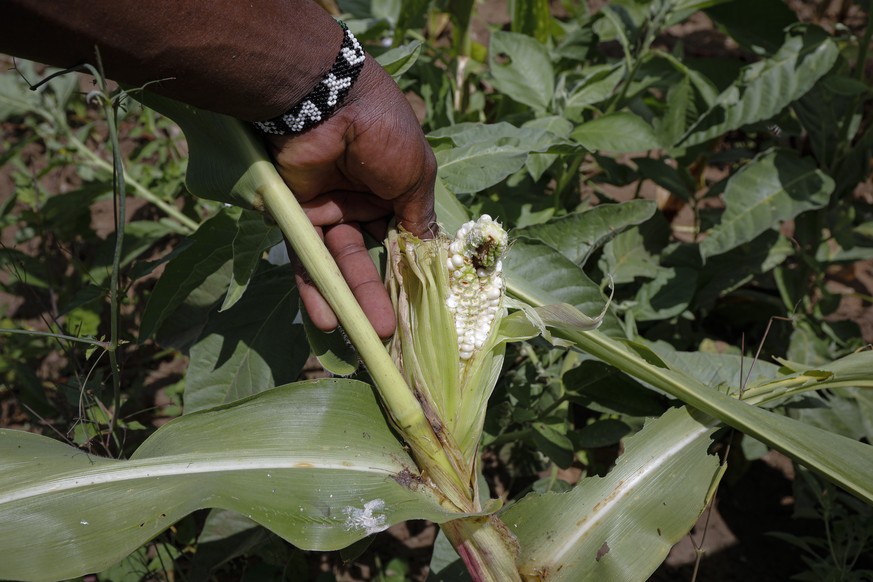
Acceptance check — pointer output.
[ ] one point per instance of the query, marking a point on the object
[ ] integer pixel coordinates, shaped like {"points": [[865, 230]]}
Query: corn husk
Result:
{"points": [[449, 298]]}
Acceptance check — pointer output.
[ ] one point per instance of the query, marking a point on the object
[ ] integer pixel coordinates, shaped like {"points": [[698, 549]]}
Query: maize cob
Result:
{"points": [[448, 295]]}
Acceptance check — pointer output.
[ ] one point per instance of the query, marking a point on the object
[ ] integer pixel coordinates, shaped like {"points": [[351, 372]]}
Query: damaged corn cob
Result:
{"points": [[448, 295]]}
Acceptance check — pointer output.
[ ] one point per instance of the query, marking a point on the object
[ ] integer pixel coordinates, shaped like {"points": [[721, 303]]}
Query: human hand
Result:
{"points": [[368, 162]]}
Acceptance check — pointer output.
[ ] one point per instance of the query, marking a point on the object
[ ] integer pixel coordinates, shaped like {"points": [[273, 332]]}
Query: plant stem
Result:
{"points": [[72, 338], [188, 224], [118, 183], [487, 547], [405, 410]]}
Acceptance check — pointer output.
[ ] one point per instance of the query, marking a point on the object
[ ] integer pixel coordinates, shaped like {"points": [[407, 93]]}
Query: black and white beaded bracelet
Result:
{"points": [[322, 101]]}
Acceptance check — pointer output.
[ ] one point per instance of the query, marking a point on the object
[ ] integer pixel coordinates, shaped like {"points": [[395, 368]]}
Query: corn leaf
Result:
{"points": [[621, 526], [315, 462]]}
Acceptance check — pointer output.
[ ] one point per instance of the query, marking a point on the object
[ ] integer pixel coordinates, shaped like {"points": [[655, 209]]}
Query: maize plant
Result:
{"points": [[317, 463]]}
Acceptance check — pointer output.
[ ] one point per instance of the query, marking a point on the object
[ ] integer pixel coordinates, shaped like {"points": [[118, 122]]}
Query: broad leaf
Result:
{"points": [[757, 25], [618, 132], [665, 296], [768, 86], [599, 85], [487, 154], [539, 275], [621, 527], [314, 462], [333, 350], [476, 166], [626, 257], [775, 187], [253, 237], [521, 69], [579, 234], [196, 277], [399, 59], [249, 348]]}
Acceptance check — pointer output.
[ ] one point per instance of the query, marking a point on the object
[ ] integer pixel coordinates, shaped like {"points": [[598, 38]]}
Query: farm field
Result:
{"points": [[679, 380]]}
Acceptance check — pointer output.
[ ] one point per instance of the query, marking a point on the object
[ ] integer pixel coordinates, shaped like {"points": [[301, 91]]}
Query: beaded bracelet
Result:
{"points": [[322, 101]]}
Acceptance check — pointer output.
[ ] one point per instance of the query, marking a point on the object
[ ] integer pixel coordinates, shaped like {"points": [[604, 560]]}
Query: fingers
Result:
{"points": [[415, 210], [346, 243], [344, 207], [316, 306]]}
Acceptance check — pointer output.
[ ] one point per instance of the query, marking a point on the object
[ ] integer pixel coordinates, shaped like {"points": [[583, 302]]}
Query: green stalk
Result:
{"points": [[118, 184], [72, 338], [402, 405], [188, 224], [487, 547]]}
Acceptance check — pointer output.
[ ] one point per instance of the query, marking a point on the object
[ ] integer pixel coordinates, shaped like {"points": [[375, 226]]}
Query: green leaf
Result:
{"points": [[757, 25], [776, 186], [621, 527], [196, 277], [600, 433], [599, 84], [139, 236], [539, 275], [532, 17], [521, 69], [232, 178], [476, 166], [625, 258], [487, 154], [333, 350], [665, 296], [451, 213], [250, 348], [618, 132], [726, 272], [538, 163], [553, 444], [765, 88], [846, 462], [253, 237], [579, 234], [676, 181], [314, 462], [596, 383], [399, 59]]}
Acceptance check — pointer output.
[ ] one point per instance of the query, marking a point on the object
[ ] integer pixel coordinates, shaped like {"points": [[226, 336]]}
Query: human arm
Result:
{"points": [[253, 60]]}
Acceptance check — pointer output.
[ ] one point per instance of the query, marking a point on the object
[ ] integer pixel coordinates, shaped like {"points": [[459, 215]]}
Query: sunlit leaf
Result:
{"points": [[521, 69], [314, 462], [766, 87], [620, 527], [579, 234], [775, 187]]}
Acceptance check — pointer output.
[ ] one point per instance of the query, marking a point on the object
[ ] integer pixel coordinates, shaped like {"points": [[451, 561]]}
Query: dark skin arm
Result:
{"points": [[254, 60]]}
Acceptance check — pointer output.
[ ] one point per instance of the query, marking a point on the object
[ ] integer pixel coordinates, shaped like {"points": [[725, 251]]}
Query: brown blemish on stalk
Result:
{"points": [[408, 479], [257, 201], [304, 465]]}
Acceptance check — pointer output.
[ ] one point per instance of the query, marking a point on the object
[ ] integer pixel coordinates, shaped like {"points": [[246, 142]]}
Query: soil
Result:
{"points": [[732, 538]]}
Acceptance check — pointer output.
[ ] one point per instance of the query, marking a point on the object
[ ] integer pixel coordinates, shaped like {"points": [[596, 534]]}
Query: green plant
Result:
{"points": [[548, 162]]}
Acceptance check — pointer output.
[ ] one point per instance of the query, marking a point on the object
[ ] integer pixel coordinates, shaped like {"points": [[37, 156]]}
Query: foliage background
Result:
{"points": [[57, 213]]}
